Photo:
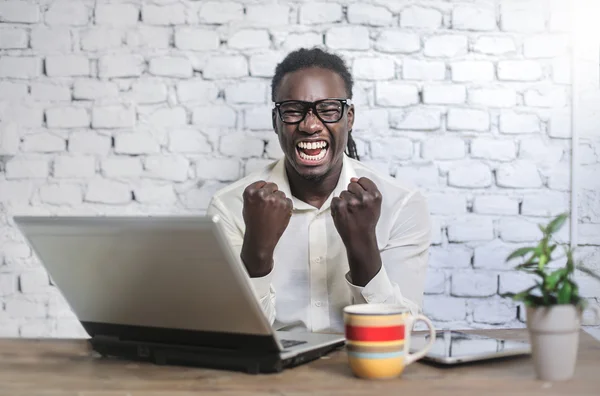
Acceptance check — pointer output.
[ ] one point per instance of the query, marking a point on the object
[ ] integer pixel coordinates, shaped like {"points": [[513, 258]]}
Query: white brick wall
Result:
{"points": [[121, 107]]}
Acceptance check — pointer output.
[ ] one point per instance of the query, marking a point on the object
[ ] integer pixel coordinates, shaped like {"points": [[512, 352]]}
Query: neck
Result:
{"points": [[313, 191]]}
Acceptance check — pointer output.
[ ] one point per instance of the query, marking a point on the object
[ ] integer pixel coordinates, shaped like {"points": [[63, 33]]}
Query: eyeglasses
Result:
{"points": [[326, 110]]}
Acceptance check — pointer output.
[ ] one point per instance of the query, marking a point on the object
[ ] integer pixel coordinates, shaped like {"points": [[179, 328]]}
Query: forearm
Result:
{"points": [[364, 259], [257, 259]]}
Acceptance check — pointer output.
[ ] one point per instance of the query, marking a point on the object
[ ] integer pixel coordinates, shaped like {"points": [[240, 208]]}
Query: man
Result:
{"points": [[318, 230]]}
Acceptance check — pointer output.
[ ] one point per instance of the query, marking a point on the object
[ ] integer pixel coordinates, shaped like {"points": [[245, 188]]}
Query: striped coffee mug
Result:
{"points": [[378, 339]]}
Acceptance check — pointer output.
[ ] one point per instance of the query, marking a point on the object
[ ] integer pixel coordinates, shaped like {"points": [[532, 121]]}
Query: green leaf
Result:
{"points": [[521, 295], [557, 223], [565, 292], [553, 278], [520, 253]]}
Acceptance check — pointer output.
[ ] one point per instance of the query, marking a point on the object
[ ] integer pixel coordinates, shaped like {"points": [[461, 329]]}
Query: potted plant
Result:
{"points": [[553, 305]]}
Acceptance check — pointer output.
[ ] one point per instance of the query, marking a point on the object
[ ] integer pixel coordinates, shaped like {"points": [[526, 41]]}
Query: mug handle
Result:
{"points": [[413, 357]]}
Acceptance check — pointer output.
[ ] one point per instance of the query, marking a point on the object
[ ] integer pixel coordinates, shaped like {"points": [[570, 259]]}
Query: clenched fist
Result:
{"points": [[267, 212]]}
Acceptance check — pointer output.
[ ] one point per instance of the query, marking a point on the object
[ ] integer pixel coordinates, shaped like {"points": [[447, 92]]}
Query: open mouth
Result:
{"points": [[313, 152]]}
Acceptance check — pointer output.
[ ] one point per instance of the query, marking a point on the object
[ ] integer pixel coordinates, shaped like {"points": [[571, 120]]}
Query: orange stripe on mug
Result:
{"points": [[360, 333]]}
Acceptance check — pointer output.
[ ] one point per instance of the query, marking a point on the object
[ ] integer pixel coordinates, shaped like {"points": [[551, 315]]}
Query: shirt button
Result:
{"points": [[369, 298], [317, 303], [318, 260]]}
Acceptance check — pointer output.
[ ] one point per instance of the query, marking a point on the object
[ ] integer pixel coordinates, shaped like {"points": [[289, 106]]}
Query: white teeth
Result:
{"points": [[312, 145], [317, 157]]}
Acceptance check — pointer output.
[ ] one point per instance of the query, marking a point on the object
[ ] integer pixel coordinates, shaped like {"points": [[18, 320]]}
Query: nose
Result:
{"points": [[311, 123]]}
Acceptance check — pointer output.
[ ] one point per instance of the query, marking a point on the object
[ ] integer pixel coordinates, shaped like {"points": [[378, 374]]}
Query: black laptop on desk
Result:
{"points": [[169, 290]]}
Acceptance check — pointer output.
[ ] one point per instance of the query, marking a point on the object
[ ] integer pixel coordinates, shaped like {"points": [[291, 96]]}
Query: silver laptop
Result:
{"points": [[165, 289]]}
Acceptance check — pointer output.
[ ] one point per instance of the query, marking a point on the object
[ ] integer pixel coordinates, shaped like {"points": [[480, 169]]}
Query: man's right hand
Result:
{"points": [[267, 212]]}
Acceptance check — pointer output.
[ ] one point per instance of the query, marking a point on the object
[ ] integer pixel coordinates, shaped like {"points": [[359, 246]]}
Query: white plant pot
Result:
{"points": [[554, 337]]}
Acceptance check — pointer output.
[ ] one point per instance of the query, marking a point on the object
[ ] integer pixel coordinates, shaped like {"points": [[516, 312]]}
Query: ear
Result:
{"points": [[274, 120], [350, 118]]}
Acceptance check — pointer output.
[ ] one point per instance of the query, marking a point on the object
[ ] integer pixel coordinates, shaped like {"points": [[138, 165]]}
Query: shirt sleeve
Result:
{"points": [[263, 288], [401, 279]]}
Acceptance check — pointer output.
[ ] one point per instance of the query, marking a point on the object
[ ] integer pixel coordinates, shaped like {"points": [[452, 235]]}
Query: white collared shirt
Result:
{"points": [[310, 282]]}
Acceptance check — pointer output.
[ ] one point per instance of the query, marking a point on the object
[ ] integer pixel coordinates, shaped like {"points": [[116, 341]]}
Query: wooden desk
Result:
{"points": [[66, 367]]}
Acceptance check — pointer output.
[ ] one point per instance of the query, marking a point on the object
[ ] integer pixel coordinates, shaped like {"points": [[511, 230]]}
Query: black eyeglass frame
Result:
{"points": [[312, 106]]}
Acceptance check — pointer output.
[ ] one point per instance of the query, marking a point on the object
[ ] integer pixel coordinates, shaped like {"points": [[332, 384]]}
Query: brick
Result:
{"points": [[559, 178], [188, 141], [474, 284], [86, 142], [12, 38], [214, 116], [397, 41], [25, 307], [51, 40], [148, 91], [196, 39], [469, 229], [113, 117], [545, 46], [268, 14], [150, 37], [16, 250], [67, 117], [348, 38], [135, 143], [518, 230], [368, 14], [560, 125], [447, 204], [19, 12], [444, 309], [588, 234], [22, 67], [493, 149], [249, 39], [196, 91], [372, 119], [118, 167], [444, 94], [110, 66], [24, 116], [587, 154], [493, 97], [514, 123], [560, 16], [541, 151], [258, 118], [241, 145], [302, 40], [423, 70], [220, 12], [26, 168], [87, 89], [494, 312], [392, 147], [8, 284], [496, 204], [474, 17], [225, 66], [50, 92], [10, 138], [155, 194], [451, 256], [519, 70], [116, 14], [546, 97], [100, 38], [73, 167], [171, 66], [492, 255], [373, 68], [61, 194], [246, 92], [561, 71], [222, 169], [522, 16], [171, 167], [12, 90], [419, 119], [422, 175], [171, 14], [445, 46], [167, 117], [199, 198], [468, 120], [43, 143], [263, 65], [470, 174], [256, 164], [472, 71], [547, 204], [67, 13], [519, 174], [435, 282], [420, 17], [495, 45], [108, 192], [67, 66], [320, 12], [396, 94], [443, 148]]}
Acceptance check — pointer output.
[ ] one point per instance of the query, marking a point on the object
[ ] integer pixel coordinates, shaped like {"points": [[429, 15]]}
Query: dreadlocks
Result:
{"points": [[315, 57]]}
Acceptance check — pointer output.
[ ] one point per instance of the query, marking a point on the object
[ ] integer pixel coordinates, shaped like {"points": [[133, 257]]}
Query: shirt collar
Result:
{"points": [[279, 177]]}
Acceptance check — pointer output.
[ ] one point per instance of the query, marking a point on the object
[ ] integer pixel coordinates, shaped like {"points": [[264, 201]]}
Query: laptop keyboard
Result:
{"points": [[291, 343]]}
